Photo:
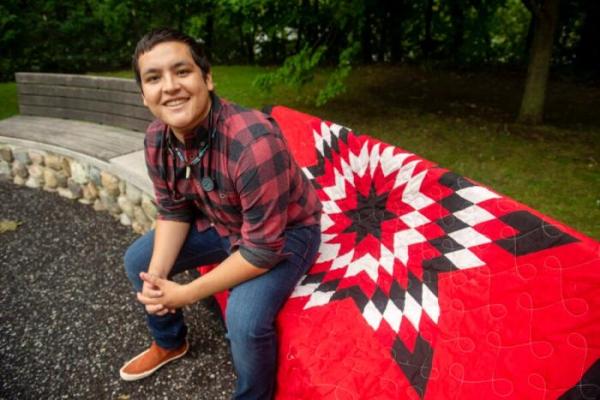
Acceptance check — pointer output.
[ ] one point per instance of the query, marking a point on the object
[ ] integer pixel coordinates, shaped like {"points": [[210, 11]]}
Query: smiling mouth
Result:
{"points": [[175, 102]]}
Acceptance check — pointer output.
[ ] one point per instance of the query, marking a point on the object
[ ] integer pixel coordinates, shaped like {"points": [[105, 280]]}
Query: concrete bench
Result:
{"points": [[97, 120], [103, 100]]}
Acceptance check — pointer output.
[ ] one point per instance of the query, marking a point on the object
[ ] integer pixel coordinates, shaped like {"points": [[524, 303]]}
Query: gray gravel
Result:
{"points": [[68, 317]]}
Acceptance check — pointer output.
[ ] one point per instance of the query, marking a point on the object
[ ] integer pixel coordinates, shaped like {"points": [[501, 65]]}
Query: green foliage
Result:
{"points": [[299, 70], [296, 71], [79, 35], [336, 83], [508, 31]]}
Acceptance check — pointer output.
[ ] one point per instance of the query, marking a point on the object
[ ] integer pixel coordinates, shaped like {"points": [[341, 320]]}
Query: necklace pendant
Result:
{"points": [[187, 172]]}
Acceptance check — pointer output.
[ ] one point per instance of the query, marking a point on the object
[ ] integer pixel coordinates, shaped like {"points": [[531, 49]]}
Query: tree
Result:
{"points": [[544, 17], [588, 50]]}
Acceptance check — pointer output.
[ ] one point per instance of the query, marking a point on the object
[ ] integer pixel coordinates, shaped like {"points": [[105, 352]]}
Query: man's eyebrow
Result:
{"points": [[150, 71], [180, 64], [174, 66]]}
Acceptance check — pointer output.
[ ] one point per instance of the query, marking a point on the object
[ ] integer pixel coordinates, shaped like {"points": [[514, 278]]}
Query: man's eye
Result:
{"points": [[183, 72], [152, 78]]}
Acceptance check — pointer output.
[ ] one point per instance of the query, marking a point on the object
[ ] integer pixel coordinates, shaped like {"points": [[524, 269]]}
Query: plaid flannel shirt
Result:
{"points": [[259, 189]]}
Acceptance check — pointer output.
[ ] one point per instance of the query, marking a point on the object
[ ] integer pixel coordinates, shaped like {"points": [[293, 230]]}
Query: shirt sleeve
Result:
{"points": [[168, 207], [263, 184]]}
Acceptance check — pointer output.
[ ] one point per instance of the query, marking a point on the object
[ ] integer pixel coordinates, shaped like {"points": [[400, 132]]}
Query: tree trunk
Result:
{"points": [[458, 28], [316, 30], [250, 47], [302, 15], [396, 8], [366, 36], [383, 41], [588, 50], [427, 44], [534, 96]]}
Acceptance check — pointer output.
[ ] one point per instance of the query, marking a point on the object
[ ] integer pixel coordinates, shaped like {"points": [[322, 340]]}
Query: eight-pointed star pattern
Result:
{"points": [[385, 239]]}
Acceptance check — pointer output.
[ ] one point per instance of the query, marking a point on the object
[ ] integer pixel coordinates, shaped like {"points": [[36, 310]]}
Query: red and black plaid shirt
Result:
{"points": [[259, 189]]}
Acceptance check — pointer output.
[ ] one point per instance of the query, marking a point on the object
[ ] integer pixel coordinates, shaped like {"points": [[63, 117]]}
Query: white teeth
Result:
{"points": [[175, 103]]}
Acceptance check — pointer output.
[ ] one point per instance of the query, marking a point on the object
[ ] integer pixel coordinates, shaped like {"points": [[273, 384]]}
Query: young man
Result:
{"points": [[228, 192]]}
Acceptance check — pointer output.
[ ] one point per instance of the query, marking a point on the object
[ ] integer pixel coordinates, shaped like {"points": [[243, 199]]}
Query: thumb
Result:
{"points": [[151, 279]]}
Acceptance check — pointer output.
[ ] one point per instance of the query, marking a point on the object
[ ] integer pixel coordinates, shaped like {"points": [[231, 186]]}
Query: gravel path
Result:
{"points": [[68, 318]]}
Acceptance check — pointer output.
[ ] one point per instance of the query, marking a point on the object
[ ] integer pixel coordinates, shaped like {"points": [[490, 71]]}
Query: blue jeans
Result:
{"points": [[252, 306]]}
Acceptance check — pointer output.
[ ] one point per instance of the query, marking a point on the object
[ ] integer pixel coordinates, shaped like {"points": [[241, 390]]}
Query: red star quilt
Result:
{"points": [[429, 285]]}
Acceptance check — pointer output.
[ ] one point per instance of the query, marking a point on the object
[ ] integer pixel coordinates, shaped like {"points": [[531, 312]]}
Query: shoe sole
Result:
{"points": [[134, 377]]}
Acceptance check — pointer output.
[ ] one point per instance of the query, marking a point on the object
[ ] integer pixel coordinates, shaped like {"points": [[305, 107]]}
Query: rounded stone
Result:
{"points": [[66, 166], [110, 183], [5, 170], [125, 220], [62, 178], [133, 194], [109, 202], [19, 180], [140, 216], [137, 227], [22, 157], [50, 179], [6, 154], [79, 172], [94, 174], [37, 157], [33, 182], [90, 191], [66, 193], [99, 206], [75, 188], [36, 170], [54, 161], [126, 205], [19, 169], [149, 207]]}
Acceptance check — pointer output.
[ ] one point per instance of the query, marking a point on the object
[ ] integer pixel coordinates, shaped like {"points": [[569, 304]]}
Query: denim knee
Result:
{"points": [[248, 328], [136, 260]]}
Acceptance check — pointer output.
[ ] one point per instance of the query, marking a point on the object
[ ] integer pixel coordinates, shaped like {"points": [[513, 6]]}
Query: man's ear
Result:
{"points": [[209, 82], [144, 100]]}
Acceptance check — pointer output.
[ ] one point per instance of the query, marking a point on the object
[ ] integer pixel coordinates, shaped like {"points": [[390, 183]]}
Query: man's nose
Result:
{"points": [[171, 83]]}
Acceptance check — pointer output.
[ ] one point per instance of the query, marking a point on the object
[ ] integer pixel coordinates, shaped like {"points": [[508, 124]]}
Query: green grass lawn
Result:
{"points": [[8, 100], [462, 121]]}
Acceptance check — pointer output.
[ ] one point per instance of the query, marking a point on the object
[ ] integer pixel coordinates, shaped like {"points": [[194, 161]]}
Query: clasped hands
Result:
{"points": [[162, 296]]}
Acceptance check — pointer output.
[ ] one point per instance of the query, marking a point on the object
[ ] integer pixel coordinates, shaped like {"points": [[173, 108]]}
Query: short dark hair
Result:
{"points": [[162, 35]]}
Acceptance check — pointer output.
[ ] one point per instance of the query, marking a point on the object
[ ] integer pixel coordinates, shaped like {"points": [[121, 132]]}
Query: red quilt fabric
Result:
{"points": [[429, 285]]}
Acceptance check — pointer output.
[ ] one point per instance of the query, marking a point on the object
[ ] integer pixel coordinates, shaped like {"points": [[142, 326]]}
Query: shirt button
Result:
{"points": [[212, 224], [202, 144]]}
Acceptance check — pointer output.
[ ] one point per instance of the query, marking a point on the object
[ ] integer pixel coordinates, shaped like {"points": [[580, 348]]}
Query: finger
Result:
{"points": [[147, 300], [149, 286], [151, 279], [162, 312], [154, 308], [152, 293]]}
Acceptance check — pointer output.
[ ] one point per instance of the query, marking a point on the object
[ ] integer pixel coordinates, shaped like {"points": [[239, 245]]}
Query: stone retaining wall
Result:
{"points": [[81, 182]]}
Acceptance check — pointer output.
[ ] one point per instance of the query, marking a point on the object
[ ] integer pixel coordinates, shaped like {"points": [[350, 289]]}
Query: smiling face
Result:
{"points": [[174, 88]]}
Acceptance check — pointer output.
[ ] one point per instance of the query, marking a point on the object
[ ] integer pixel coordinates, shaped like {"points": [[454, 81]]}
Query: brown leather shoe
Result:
{"points": [[144, 364]]}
